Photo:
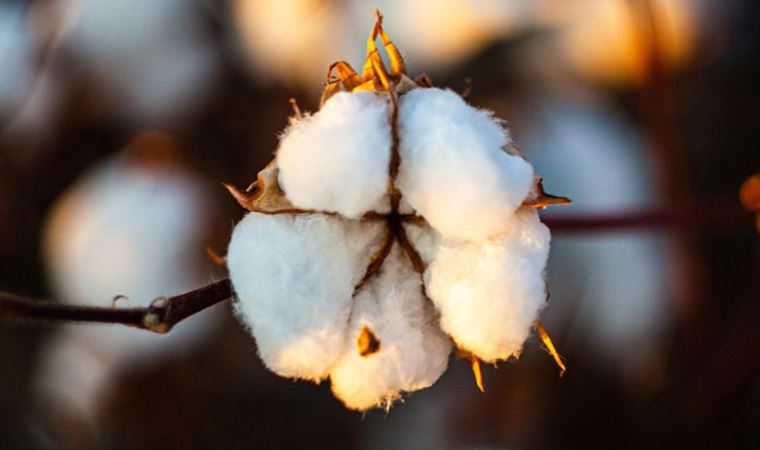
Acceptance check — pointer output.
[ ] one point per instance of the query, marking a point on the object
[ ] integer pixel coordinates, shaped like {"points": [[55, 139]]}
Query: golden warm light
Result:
{"points": [[614, 40]]}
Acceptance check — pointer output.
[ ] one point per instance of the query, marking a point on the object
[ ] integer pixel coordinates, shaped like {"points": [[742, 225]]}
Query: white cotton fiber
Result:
{"points": [[424, 239], [413, 351], [337, 159], [453, 168], [489, 293], [294, 276]]}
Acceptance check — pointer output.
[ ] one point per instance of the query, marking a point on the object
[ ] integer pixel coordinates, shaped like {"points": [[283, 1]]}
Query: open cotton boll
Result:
{"points": [[454, 170], [413, 352], [489, 294], [337, 159], [294, 276]]}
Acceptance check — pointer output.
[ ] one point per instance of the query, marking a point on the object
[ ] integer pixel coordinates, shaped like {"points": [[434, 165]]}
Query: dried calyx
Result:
{"points": [[380, 233]]}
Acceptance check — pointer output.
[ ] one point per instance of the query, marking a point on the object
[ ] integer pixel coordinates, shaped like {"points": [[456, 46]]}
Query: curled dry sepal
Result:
{"points": [[394, 221]]}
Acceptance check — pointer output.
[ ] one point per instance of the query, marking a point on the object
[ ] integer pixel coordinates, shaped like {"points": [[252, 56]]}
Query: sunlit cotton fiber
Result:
{"points": [[490, 293], [337, 159], [425, 240], [294, 276], [375, 301], [454, 170], [413, 351]]}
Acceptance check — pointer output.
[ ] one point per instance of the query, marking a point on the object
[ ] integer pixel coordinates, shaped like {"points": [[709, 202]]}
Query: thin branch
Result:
{"points": [[159, 317], [720, 215]]}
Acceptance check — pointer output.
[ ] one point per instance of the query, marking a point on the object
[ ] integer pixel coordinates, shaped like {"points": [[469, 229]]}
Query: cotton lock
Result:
{"points": [[454, 170], [337, 159]]}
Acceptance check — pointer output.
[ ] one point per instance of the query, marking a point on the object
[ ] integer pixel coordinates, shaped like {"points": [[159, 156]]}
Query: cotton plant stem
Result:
{"points": [[725, 214], [163, 314]]}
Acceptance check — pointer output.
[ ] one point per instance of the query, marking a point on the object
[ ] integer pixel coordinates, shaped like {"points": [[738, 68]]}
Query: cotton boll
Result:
{"points": [[150, 60], [489, 294], [453, 169], [337, 159], [135, 231], [294, 41], [413, 353], [129, 229], [294, 276]]}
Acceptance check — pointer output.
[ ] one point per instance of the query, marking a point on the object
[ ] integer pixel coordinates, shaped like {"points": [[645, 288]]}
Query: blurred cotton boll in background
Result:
{"points": [[135, 225], [611, 290], [15, 55], [292, 41], [151, 60]]}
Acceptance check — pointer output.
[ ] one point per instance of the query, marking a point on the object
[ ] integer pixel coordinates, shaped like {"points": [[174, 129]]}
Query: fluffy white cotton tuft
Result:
{"points": [[453, 168], [413, 351], [424, 239], [294, 276], [337, 159], [489, 294]]}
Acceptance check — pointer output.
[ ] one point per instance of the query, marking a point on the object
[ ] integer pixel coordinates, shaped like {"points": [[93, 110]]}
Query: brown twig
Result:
{"points": [[159, 317], [706, 215]]}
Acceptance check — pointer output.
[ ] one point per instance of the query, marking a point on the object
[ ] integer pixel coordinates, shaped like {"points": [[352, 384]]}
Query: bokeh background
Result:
{"points": [[119, 120]]}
